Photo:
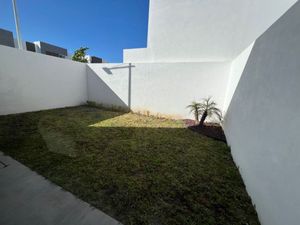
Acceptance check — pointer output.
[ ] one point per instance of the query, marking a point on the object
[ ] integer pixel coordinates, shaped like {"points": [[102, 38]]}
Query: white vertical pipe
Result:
{"points": [[129, 87], [20, 43]]}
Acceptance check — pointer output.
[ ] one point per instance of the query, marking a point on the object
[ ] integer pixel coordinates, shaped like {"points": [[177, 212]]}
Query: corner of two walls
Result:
{"points": [[237, 68]]}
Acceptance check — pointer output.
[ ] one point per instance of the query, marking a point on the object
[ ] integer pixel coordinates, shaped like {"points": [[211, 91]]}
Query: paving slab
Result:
{"points": [[28, 198]]}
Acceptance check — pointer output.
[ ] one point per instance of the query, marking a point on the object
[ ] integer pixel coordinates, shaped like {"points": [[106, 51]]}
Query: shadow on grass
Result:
{"points": [[137, 169]]}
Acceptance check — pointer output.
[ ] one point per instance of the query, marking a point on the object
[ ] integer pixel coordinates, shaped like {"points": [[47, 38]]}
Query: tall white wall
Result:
{"points": [[206, 30], [263, 120], [30, 81], [237, 69], [165, 88]]}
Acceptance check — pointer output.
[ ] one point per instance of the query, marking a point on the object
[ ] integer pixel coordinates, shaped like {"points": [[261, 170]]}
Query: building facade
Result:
{"points": [[7, 39]]}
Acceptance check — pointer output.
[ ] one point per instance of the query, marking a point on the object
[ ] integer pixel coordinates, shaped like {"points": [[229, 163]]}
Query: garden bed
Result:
{"points": [[212, 130]]}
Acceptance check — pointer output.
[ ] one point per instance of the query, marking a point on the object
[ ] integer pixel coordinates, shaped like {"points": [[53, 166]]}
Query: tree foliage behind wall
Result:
{"points": [[79, 55]]}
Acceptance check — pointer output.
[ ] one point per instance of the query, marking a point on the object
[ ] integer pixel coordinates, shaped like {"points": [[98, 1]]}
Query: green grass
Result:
{"points": [[138, 169]]}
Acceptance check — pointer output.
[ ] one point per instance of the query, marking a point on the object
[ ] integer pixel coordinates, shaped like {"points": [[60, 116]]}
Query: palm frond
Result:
{"points": [[207, 105], [195, 108], [215, 109]]}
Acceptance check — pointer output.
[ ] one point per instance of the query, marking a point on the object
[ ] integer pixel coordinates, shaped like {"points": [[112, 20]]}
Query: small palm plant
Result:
{"points": [[206, 108], [195, 109]]}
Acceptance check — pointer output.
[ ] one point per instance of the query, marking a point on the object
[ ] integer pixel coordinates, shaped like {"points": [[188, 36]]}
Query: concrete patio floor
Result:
{"points": [[28, 198]]}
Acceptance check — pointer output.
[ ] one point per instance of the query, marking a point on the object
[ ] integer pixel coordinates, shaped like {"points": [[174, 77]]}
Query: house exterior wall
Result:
{"points": [[263, 119], [30, 82], [207, 30]]}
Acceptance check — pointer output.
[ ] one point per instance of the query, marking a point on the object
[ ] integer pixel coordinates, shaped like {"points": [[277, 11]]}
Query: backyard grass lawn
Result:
{"points": [[138, 169]]}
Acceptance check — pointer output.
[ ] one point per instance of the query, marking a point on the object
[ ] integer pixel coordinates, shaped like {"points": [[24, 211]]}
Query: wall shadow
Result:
{"points": [[108, 70], [100, 92]]}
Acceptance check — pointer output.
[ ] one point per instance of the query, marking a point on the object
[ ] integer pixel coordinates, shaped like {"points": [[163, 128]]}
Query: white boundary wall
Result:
{"points": [[263, 120], [31, 81], [165, 88]]}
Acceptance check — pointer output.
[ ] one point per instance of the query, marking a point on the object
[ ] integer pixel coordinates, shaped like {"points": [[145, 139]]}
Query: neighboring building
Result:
{"points": [[30, 46], [49, 49], [6, 38], [94, 59]]}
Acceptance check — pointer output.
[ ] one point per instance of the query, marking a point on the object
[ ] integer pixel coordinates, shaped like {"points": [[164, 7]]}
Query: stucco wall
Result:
{"points": [[236, 71], [30, 81], [263, 120], [137, 55], [166, 88], [206, 30]]}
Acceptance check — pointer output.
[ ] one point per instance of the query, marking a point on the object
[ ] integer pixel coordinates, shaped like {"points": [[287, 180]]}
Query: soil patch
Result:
{"points": [[211, 130]]}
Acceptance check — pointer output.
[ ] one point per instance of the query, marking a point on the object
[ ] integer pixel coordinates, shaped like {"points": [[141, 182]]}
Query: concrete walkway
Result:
{"points": [[28, 198]]}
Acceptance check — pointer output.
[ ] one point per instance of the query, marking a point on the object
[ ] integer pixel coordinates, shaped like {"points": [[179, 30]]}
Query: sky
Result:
{"points": [[106, 27]]}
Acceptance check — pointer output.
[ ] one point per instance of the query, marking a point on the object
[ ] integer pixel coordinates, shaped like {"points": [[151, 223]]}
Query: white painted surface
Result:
{"points": [[263, 120], [166, 88], [43, 82], [237, 68], [206, 30], [105, 88], [37, 46], [30, 81], [138, 55]]}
